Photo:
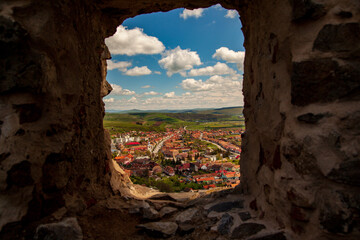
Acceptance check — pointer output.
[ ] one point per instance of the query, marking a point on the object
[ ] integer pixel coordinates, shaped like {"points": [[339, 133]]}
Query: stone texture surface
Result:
{"points": [[274, 236], [150, 213], [306, 10], [225, 224], [301, 103], [244, 216], [226, 206], [301, 57], [162, 229], [167, 211], [342, 38], [247, 229], [186, 216], [67, 229], [327, 82]]}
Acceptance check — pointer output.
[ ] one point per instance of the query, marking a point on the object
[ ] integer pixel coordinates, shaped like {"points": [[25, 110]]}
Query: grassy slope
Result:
{"points": [[224, 111], [142, 121], [117, 122]]}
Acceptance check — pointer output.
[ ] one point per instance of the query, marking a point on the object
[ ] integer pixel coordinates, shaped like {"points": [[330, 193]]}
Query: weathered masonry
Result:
{"points": [[300, 162]]}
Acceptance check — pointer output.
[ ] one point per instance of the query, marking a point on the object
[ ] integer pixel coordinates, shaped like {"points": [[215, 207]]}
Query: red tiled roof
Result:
{"points": [[124, 156], [206, 179], [209, 186], [133, 143]]}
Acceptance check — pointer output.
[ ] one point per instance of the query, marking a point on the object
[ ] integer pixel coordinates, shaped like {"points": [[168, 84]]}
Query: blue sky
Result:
{"points": [[181, 59]]}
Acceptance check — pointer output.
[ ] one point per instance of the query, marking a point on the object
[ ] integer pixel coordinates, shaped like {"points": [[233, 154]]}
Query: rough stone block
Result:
{"points": [[335, 223], [56, 172], [301, 157], [305, 10], [351, 123], [344, 14], [186, 228], [299, 200], [20, 175], [150, 213], [68, 229], [187, 215], [159, 229], [225, 224], [253, 205], [246, 230], [226, 206], [20, 132], [348, 172], [299, 214], [324, 80], [4, 156], [167, 211], [339, 38], [244, 216], [336, 211], [310, 118], [28, 113], [275, 236], [21, 71]]}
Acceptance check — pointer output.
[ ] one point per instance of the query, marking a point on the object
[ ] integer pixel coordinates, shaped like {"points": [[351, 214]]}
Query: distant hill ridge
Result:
{"points": [[226, 110]]}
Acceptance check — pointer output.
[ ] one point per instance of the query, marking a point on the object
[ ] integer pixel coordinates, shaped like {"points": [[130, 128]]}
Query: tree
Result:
{"points": [[161, 156], [227, 153], [164, 187]]}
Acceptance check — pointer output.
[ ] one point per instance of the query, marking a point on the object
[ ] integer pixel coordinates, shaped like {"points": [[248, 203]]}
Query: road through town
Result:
{"points": [[159, 145]]}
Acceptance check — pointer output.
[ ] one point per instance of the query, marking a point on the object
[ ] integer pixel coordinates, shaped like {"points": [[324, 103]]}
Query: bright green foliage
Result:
{"points": [[166, 184], [157, 121]]}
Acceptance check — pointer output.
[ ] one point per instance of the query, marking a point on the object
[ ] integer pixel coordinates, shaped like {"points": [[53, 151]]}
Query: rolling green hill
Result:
{"points": [[157, 121], [224, 111]]}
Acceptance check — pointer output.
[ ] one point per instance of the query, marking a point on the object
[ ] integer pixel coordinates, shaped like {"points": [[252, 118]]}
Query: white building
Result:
{"points": [[211, 157]]}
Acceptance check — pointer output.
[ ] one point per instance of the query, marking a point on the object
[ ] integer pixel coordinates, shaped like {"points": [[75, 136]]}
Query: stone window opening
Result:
{"points": [[300, 161], [220, 70]]}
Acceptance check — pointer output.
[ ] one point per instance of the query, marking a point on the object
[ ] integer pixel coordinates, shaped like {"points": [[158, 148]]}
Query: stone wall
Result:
{"points": [[300, 161], [52, 147], [300, 158]]}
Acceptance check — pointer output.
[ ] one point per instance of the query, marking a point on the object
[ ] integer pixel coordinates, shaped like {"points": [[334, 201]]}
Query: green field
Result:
{"points": [[158, 121], [124, 122]]}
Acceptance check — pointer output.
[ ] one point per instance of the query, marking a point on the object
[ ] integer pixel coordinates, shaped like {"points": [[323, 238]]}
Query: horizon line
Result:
{"points": [[171, 109]]}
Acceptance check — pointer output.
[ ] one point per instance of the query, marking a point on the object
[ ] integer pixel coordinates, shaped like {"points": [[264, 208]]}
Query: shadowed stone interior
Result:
{"points": [[300, 162]]}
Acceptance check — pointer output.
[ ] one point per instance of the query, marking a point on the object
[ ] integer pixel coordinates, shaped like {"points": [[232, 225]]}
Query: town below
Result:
{"points": [[183, 155]]}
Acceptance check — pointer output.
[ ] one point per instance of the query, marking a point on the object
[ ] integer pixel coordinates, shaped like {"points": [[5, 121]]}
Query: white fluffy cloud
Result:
{"points": [[169, 95], [195, 85], [231, 14], [133, 41], [217, 69], [146, 86], [230, 56], [188, 100], [138, 71], [118, 90], [178, 60], [215, 83], [132, 100], [121, 66], [196, 13], [109, 100], [151, 93]]}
